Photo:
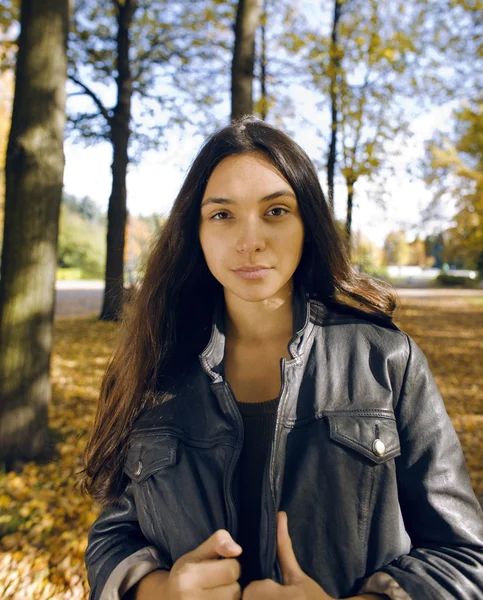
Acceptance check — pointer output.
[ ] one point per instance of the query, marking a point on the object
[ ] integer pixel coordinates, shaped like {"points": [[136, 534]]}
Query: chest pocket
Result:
{"points": [[150, 455], [375, 437]]}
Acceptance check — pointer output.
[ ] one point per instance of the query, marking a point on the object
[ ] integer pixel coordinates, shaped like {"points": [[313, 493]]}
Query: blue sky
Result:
{"points": [[154, 183]]}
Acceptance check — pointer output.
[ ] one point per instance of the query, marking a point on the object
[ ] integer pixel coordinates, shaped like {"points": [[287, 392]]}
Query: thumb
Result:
{"points": [[219, 544], [291, 571]]}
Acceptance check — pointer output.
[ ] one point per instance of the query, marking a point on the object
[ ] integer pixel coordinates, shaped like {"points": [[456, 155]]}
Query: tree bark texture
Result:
{"points": [[348, 222], [263, 66], [247, 21], [334, 73], [34, 175], [120, 134]]}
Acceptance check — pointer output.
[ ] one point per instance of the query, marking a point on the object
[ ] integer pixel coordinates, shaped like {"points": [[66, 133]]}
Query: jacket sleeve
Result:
{"points": [[118, 555], [441, 513]]}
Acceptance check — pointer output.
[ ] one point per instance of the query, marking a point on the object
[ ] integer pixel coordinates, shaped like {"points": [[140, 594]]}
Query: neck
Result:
{"points": [[269, 320]]}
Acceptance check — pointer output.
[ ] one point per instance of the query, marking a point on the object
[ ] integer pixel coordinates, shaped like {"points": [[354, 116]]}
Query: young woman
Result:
{"points": [[261, 407]]}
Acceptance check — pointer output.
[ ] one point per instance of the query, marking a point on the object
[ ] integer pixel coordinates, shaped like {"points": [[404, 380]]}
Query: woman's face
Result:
{"points": [[250, 218]]}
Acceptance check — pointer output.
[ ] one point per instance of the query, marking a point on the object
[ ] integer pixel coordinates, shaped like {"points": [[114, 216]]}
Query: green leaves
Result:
{"points": [[454, 168], [82, 241]]}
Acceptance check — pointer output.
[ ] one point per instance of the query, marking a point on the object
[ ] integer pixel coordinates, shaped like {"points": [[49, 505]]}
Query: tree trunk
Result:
{"points": [[247, 21], [333, 73], [6, 100], [120, 134], [348, 223], [263, 66], [34, 174]]}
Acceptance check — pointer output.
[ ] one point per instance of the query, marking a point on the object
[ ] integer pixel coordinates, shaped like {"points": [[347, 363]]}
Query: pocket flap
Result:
{"points": [[375, 437], [148, 455]]}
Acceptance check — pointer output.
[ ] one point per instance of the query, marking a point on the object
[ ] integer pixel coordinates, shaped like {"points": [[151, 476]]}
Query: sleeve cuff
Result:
{"points": [[129, 571], [383, 583]]}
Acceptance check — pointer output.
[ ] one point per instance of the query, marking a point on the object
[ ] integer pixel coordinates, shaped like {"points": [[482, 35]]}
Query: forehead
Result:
{"points": [[243, 172]]}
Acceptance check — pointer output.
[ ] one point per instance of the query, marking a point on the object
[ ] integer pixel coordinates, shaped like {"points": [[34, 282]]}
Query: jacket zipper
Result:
{"points": [[232, 517], [272, 528]]}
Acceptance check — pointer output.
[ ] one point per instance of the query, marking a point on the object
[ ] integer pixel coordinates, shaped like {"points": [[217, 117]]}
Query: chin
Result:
{"points": [[253, 291]]}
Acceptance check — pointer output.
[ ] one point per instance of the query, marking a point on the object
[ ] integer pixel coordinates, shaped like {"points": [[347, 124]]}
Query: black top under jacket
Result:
{"points": [[258, 423]]}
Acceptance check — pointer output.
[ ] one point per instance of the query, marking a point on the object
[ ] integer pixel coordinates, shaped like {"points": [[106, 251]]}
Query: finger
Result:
{"points": [[291, 571], [214, 573], [206, 574], [218, 544], [264, 588], [223, 592]]}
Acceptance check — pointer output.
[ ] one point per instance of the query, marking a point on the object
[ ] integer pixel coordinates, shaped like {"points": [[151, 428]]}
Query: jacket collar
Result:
{"points": [[211, 357]]}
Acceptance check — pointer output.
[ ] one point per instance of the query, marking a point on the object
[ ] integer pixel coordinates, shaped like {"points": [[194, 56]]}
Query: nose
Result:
{"points": [[250, 237]]}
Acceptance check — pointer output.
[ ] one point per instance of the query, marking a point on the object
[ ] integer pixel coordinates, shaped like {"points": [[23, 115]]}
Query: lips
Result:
{"points": [[252, 272], [250, 268]]}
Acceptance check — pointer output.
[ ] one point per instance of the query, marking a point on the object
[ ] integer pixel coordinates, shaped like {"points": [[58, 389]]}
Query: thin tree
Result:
{"points": [[365, 68], [247, 20], [138, 47], [334, 73], [118, 123], [454, 170], [263, 101], [34, 174]]}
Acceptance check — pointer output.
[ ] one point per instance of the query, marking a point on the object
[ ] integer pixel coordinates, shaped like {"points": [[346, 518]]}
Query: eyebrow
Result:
{"points": [[273, 196]]}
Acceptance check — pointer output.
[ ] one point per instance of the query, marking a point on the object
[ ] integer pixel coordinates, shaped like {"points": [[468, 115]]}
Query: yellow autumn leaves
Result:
{"points": [[449, 330], [44, 524]]}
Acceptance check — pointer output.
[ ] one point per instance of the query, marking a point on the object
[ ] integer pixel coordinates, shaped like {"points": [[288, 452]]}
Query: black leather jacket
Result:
{"points": [[364, 460]]}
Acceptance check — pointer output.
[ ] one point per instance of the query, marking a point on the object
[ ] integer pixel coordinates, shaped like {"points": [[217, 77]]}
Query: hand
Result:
{"points": [[200, 574], [296, 584]]}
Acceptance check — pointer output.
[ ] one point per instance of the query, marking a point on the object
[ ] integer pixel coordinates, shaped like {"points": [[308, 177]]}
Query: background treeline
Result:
{"points": [[82, 245], [82, 240], [358, 72]]}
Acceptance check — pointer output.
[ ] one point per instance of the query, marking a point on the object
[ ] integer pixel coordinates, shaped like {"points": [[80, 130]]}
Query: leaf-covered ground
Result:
{"points": [[44, 525], [450, 332]]}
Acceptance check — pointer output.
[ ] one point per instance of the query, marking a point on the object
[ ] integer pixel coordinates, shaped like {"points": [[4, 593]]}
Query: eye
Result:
{"points": [[279, 208], [214, 217]]}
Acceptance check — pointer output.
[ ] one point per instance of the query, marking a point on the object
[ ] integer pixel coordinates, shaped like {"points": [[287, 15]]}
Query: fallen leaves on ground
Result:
{"points": [[449, 330], [44, 525]]}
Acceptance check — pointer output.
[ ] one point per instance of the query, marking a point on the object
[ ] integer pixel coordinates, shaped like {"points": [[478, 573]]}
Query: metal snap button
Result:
{"points": [[379, 447], [139, 468]]}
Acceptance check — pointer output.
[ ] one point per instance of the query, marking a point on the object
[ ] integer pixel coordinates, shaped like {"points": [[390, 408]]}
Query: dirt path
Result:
{"points": [[437, 292], [82, 298]]}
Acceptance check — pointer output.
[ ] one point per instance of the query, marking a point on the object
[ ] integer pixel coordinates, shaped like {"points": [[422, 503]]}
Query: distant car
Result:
{"points": [[461, 273]]}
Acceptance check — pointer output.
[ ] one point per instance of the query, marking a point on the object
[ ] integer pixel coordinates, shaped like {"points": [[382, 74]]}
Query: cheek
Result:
{"points": [[204, 241], [294, 240], [212, 248]]}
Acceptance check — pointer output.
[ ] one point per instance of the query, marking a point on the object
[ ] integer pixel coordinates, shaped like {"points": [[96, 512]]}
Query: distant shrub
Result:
{"points": [[456, 281], [74, 274], [81, 247], [68, 274], [379, 272]]}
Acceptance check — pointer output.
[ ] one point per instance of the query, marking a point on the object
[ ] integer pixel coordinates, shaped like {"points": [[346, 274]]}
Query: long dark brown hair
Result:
{"points": [[167, 320]]}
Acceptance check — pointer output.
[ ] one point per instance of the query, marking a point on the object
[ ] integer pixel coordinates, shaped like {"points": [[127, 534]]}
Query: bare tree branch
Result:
{"points": [[87, 91], [72, 94]]}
